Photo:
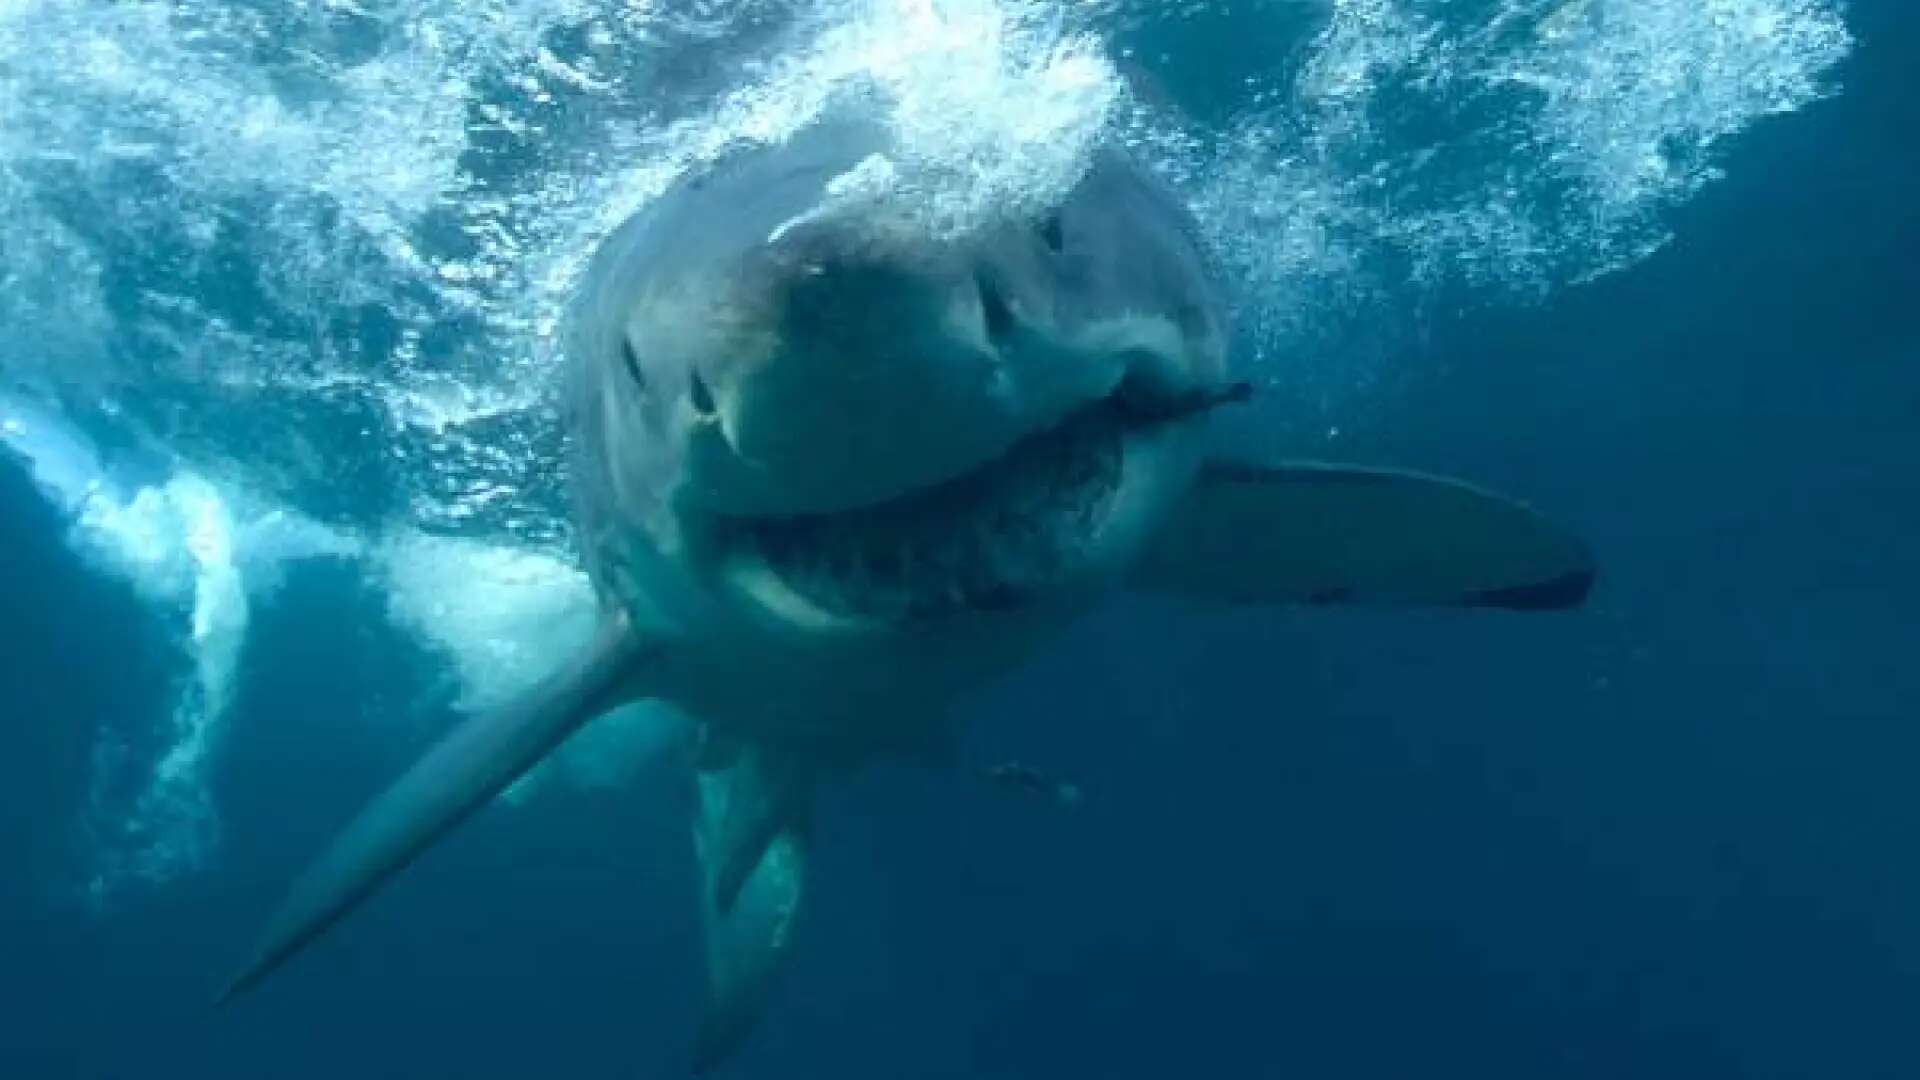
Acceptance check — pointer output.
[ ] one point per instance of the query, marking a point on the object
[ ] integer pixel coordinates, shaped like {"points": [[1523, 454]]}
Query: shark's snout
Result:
{"points": [[882, 372]]}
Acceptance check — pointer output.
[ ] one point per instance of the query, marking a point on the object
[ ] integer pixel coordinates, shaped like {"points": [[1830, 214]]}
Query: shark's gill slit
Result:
{"points": [[1050, 233], [632, 362], [994, 310], [700, 396]]}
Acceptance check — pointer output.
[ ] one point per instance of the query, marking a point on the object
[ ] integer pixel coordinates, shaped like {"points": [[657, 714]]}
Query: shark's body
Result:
{"points": [[832, 472]]}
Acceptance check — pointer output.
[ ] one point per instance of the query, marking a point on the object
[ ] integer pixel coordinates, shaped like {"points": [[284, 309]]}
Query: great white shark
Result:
{"points": [[833, 470]]}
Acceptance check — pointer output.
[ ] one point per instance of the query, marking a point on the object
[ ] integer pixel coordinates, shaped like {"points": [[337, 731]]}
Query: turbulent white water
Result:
{"points": [[309, 257]]}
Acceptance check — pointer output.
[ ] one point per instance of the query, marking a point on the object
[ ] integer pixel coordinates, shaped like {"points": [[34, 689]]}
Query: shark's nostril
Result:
{"points": [[699, 395], [994, 310]]}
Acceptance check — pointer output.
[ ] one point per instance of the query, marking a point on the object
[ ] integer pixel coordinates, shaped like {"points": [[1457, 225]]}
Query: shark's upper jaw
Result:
{"points": [[837, 386]]}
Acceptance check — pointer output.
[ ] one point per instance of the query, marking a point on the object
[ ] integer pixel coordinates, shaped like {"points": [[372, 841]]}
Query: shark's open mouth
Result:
{"points": [[995, 538]]}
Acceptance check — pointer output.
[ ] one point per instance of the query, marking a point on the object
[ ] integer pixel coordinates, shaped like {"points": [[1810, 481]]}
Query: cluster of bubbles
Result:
{"points": [[310, 257]]}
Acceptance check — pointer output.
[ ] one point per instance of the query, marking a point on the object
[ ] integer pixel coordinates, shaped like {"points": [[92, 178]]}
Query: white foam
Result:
{"points": [[502, 615], [994, 108], [202, 556], [1505, 149], [429, 161], [63, 465], [505, 617]]}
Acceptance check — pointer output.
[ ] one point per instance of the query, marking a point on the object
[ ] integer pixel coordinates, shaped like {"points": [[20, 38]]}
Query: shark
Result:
{"points": [[833, 470]]}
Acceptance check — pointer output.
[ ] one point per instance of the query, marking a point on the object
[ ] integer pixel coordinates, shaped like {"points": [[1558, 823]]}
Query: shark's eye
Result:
{"points": [[699, 395], [1050, 232], [632, 361]]}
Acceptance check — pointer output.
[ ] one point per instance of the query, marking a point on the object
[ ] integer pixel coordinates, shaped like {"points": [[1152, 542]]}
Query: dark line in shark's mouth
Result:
{"points": [[995, 538]]}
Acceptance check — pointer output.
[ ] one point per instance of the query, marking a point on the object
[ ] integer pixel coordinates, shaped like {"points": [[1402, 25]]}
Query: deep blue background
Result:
{"points": [[1671, 836]]}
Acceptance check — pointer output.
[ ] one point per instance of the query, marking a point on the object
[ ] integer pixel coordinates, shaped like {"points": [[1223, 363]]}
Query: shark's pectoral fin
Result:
{"points": [[1309, 533], [751, 837], [468, 767]]}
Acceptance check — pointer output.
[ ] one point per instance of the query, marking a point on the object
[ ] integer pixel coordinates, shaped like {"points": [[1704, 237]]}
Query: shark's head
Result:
{"points": [[828, 417]]}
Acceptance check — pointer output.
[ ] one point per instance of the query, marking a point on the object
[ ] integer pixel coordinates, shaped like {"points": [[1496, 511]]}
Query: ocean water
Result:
{"points": [[280, 495]]}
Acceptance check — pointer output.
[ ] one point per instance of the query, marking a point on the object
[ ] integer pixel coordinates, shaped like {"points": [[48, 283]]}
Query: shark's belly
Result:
{"points": [[858, 688]]}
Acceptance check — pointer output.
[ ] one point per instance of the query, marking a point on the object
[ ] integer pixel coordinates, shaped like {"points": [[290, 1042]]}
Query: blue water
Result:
{"points": [[1671, 835]]}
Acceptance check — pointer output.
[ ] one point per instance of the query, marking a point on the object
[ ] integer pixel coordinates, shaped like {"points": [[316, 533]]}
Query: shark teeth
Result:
{"points": [[997, 538]]}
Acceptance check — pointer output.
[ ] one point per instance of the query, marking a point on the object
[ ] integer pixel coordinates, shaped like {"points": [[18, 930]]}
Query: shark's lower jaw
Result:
{"points": [[1003, 536]]}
